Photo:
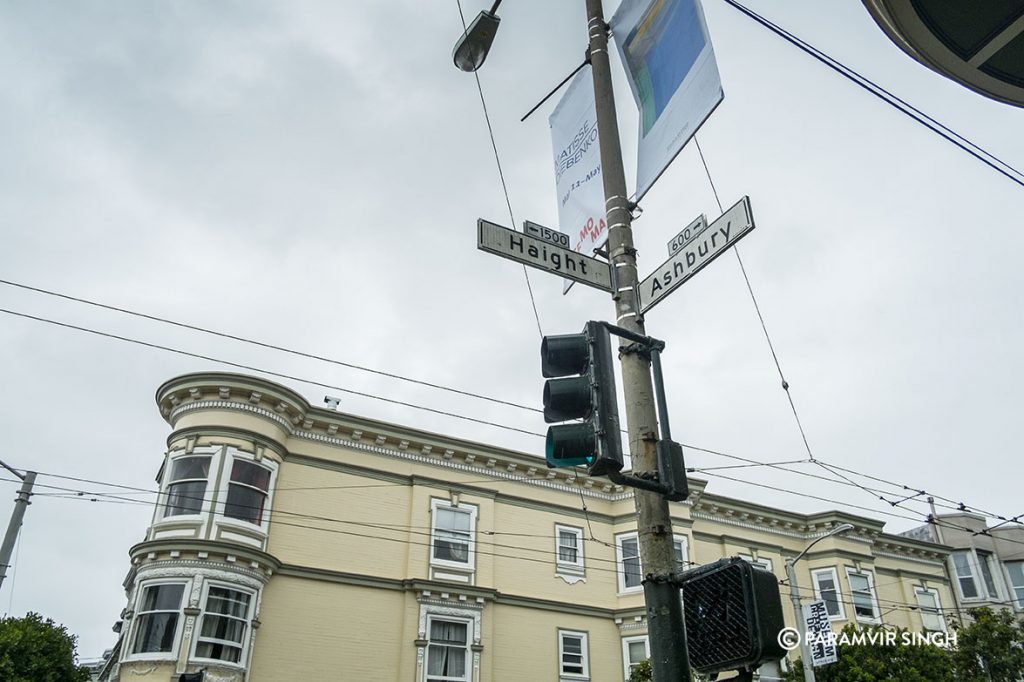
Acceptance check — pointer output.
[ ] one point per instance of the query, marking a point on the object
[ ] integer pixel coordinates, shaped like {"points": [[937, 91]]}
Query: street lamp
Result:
{"points": [[471, 50], [805, 650]]}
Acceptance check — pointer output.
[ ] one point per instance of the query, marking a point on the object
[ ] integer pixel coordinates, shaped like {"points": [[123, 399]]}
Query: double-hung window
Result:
{"points": [[630, 575], [247, 491], [225, 622], [862, 592], [572, 655], [447, 650], [569, 549], [965, 575], [931, 610], [987, 574], [452, 531], [679, 547], [186, 485], [635, 650], [826, 588], [1015, 572], [157, 617]]}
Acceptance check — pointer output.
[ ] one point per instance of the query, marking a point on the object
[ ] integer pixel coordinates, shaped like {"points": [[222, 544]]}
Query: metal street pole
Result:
{"points": [[24, 493], [665, 628], [801, 626]]}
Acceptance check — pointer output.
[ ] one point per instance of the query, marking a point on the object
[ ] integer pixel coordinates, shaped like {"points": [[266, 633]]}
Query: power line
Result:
{"points": [[262, 344], [892, 100]]}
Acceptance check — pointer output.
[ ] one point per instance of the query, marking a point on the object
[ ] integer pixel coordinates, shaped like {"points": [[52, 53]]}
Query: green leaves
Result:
{"points": [[34, 650]]}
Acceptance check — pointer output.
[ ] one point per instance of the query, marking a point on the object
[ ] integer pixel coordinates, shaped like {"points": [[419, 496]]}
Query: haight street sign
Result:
{"points": [[543, 255], [719, 236]]}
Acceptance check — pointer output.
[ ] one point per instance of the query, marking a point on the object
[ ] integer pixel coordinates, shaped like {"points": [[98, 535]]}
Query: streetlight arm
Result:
{"points": [[841, 528]]}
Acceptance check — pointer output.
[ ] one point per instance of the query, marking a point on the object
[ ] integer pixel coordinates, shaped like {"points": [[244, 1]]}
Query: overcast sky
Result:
{"points": [[309, 174]]}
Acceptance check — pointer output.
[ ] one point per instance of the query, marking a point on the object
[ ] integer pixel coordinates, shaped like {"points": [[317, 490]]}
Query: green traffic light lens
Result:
{"points": [[570, 445]]}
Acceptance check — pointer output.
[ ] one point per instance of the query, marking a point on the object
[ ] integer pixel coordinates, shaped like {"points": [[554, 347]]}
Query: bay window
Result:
{"points": [[157, 617], [247, 491], [186, 485], [225, 621]]}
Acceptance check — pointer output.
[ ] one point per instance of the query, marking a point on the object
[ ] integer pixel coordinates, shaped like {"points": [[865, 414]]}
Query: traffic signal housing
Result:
{"points": [[733, 615], [590, 396]]}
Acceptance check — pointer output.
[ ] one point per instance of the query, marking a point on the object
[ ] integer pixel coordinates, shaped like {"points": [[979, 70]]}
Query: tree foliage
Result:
{"points": [[991, 648], [34, 650]]}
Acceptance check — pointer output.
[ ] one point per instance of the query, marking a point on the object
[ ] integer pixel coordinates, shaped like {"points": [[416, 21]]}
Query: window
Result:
{"points": [[628, 549], [569, 549], [156, 622], [447, 651], [247, 491], [186, 486], [1015, 571], [635, 650], [453, 534], [760, 562], [679, 551], [826, 588], [931, 611], [985, 563], [862, 589], [572, 654], [965, 575], [223, 629]]}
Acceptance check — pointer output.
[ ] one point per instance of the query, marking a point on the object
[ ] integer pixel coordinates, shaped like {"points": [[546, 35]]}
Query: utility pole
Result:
{"points": [[27, 481], [665, 628]]}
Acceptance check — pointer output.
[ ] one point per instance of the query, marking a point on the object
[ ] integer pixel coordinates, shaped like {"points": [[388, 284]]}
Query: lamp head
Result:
{"points": [[471, 50], [841, 528]]}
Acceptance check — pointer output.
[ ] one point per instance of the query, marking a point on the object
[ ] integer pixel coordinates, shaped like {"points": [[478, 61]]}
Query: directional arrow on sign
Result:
{"points": [[730, 227]]}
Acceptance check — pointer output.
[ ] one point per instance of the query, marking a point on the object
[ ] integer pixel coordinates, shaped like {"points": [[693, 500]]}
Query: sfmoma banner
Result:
{"points": [[666, 51]]}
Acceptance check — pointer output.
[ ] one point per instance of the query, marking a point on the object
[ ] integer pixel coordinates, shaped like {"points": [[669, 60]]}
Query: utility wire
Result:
{"points": [[261, 344], [915, 114], [501, 174]]}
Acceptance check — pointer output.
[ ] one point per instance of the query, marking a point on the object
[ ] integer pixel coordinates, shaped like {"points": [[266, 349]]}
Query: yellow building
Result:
{"points": [[292, 542]]}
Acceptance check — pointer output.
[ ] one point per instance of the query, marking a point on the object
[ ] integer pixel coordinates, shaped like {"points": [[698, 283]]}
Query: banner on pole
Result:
{"points": [[670, 64], [821, 642], [577, 157]]}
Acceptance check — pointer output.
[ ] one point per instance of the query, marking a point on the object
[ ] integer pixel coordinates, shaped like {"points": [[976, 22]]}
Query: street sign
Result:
{"points": [[821, 642], [546, 233], [542, 255], [687, 234], [719, 236]]}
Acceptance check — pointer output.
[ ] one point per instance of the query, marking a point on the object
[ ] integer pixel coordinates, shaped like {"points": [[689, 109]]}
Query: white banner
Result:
{"points": [[818, 630], [666, 51], [577, 158]]}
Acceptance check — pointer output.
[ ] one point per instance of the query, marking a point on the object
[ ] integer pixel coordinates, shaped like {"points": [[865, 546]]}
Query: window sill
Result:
{"points": [[571, 577]]}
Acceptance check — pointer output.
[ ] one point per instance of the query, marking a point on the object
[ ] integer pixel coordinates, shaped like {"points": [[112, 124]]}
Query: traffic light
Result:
{"points": [[589, 396], [733, 615]]}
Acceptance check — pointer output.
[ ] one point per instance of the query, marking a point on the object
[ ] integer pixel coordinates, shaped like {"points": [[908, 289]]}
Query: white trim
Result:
{"points": [[918, 591], [571, 571], [140, 589], [244, 644], [1011, 586], [975, 575], [620, 573], [877, 618], [464, 508], [584, 655], [223, 489], [759, 562], [626, 641], [831, 571], [471, 660], [988, 560]]}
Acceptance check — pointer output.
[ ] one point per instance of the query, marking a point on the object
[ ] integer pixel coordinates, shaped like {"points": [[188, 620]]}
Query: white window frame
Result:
{"points": [[584, 655], [627, 666], [178, 625], [831, 571], [1015, 596], [577, 567], [974, 575], [470, 630], [987, 560], [166, 483], [462, 507], [225, 488], [681, 540], [877, 618], [620, 566], [759, 562], [936, 610], [244, 644]]}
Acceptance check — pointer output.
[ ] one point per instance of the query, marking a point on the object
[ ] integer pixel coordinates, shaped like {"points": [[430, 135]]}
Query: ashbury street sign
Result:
{"points": [[701, 250], [543, 255]]}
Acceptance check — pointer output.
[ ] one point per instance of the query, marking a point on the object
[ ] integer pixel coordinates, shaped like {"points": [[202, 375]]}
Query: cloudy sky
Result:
{"points": [[309, 174]]}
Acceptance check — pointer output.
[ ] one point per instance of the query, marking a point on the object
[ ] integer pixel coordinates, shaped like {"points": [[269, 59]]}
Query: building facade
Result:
{"points": [[292, 542]]}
